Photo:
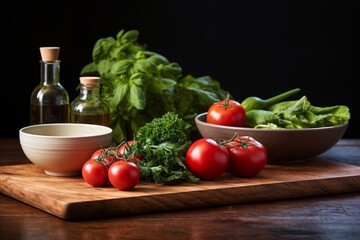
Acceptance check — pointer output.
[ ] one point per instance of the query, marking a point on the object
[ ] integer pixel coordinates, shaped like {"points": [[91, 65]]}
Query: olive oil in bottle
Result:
{"points": [[49, 100], [88, 106]]}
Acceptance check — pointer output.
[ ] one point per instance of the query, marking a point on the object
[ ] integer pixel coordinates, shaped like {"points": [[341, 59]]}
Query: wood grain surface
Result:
{"points": [[71, 198]]}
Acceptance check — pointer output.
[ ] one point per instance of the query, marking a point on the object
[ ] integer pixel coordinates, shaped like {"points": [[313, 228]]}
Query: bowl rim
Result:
{"points": [[197, 119], [107, 130]]}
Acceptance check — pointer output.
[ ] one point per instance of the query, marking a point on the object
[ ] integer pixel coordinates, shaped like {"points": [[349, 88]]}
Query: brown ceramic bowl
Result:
{"points": [[283, 145]]}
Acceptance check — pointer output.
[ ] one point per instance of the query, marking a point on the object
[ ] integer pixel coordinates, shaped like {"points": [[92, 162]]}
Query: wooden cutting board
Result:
{"points": [[71, 198]]}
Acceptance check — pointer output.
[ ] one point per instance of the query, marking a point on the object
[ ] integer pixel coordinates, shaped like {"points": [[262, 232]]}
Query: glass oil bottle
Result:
{"points": [[88, 106], [49, 100]]}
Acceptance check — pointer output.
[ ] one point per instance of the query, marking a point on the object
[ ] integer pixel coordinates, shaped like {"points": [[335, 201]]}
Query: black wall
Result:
{"points": [[254, 48]]}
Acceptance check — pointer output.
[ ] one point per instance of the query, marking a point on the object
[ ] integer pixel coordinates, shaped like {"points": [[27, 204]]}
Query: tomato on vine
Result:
{"points": [[95, 172], [116, 165], [106, 155], [127, 151], [124, 175], [227, 112], [248, 157]]}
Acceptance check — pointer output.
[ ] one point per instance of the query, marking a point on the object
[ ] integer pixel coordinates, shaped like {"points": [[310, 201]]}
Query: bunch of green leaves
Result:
{"points": [[297, 114], [139, 85], [164, 142]]}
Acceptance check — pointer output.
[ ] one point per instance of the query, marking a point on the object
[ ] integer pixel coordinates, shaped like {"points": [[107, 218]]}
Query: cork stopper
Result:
{"points": [[89, 80], [49, 54]]}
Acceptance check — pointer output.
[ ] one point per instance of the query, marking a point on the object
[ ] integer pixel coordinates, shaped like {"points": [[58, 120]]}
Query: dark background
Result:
{"points": [[253, 48]]}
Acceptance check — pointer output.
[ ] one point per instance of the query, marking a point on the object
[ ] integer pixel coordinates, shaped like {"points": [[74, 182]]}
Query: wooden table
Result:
{"points": [[334, 216]]}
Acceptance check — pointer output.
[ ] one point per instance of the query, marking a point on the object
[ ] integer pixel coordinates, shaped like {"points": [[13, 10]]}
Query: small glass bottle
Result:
{"points": [[49, 100], [88, 106]]}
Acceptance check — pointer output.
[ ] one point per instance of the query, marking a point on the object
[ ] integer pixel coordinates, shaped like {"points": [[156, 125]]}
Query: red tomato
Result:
{"points": [[207, 159], [227, 112], [124, 175], [95, 173], [248, 156], [127, 151]]}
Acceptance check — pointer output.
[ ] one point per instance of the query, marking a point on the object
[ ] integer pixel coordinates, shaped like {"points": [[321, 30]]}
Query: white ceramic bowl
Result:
{"points": [[61, 149], [283, 145]]}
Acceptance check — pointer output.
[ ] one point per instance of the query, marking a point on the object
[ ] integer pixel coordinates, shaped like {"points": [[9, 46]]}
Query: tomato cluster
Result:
{"points": [[242, 156], [116, 166]]}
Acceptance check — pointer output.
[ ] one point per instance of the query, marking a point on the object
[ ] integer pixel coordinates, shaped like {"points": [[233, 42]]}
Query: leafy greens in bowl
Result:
{"points": [[283, 145], [297, 114], [291, 130]]}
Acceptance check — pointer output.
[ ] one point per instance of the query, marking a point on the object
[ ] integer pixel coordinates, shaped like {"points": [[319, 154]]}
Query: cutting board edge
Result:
{"points": [[69, 210], [74, 210]]}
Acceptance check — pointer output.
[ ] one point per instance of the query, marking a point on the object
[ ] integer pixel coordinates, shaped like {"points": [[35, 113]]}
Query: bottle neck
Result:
{"points": [[89, 91], [50, 72]]}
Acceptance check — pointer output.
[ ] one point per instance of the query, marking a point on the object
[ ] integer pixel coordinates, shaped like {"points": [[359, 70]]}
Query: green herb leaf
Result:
{"points": [[164, 142]]}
